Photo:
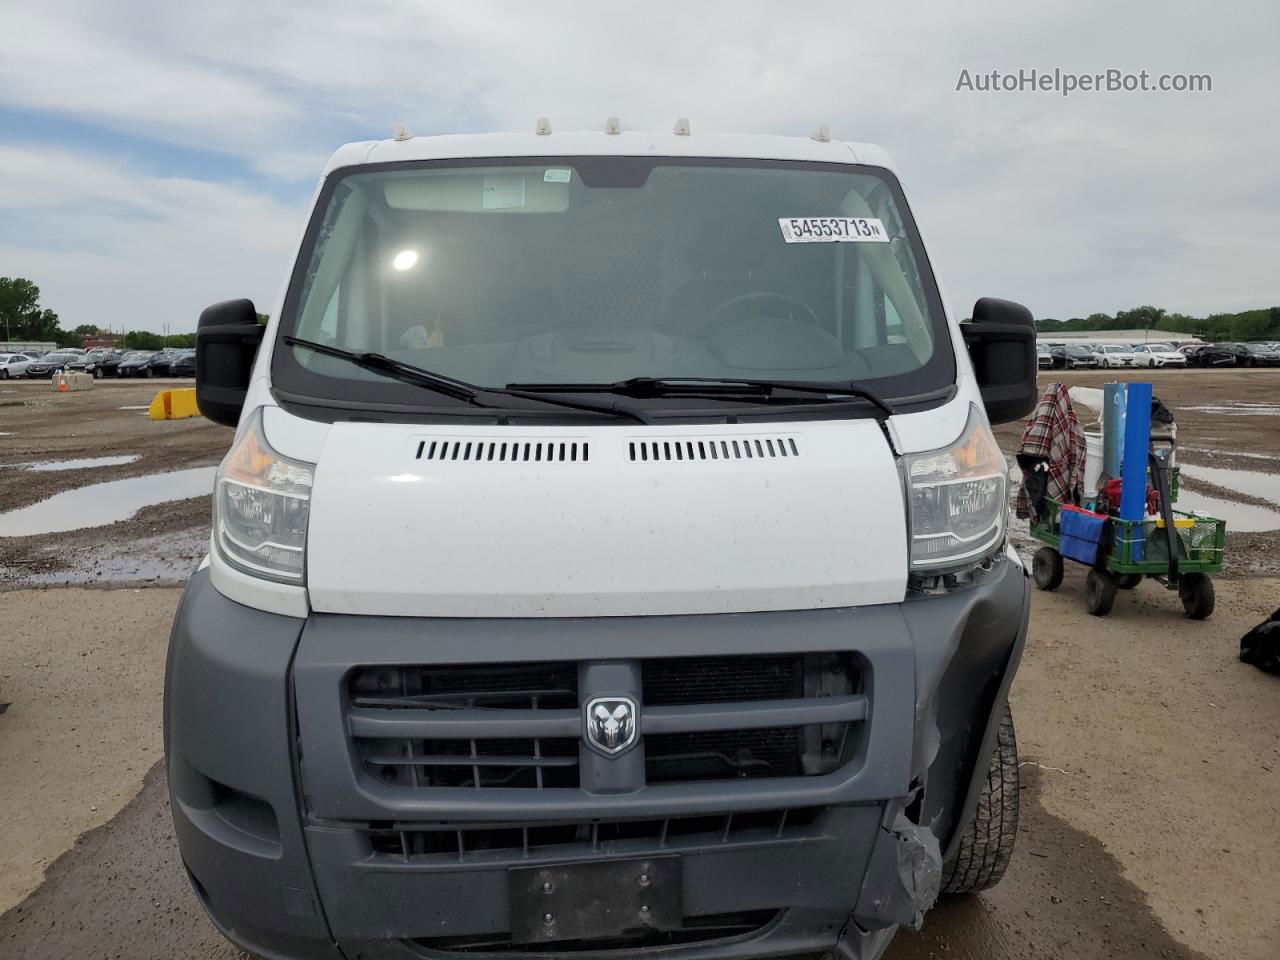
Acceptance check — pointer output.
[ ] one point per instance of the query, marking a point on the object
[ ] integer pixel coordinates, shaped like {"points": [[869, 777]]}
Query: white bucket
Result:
{"points": [[1092, 463]]}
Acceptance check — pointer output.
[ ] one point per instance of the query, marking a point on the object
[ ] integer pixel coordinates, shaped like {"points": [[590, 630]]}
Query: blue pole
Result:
{"points": [[1137, 440]]}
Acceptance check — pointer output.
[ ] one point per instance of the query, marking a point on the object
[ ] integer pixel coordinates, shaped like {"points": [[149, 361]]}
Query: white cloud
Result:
{"points": [[118, 248], [1098, 201]]}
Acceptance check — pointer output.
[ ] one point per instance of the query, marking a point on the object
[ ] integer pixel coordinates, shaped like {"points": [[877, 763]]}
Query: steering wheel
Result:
{"points": [[763, 295]]}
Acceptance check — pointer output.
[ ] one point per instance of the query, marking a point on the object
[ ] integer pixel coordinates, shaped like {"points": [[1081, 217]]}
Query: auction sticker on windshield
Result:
{"points": [[832, 230]]}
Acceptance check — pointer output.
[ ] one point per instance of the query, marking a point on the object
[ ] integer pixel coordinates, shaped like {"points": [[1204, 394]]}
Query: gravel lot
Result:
{"points": [[1152, 756]]}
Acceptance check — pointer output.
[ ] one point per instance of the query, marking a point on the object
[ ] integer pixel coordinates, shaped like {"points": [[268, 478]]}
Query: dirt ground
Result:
{"points": [[78, 737], [1151, 776], [159, 544]]}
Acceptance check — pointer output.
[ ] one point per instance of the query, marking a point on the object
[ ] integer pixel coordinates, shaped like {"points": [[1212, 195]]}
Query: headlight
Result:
{"points": [[260, 507], [959, 500]]}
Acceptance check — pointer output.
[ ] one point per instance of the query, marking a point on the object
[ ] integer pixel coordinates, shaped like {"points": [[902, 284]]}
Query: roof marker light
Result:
{"points": [[400, 132], [543, 127], [822, 134], [612, 126], [682, 127]]}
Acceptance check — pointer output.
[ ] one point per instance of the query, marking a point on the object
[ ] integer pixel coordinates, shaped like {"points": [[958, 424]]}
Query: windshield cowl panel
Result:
{"points": [[590, 270]]}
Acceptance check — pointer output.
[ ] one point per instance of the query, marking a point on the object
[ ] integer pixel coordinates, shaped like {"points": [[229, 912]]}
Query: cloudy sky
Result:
{"points": [[155, 157]]}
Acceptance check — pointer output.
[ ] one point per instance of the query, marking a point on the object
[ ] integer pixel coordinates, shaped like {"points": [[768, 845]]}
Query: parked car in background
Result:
{"points": [[1044, 356], [1191, 351], [1221, 355], [162, 363], [1072, 356], [1157, 355], [184, 365], [135, 364], [51, 364], [1260, 355], [13, 365], [100, 362], [1112, 355]]}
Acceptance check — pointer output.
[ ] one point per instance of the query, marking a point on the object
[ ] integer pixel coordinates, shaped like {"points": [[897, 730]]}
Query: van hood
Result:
{"points": [[434, 521]]}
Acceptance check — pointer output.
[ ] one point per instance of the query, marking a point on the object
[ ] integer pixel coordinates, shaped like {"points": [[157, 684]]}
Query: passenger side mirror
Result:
{"points": [[1001, 339], [227, 339]]}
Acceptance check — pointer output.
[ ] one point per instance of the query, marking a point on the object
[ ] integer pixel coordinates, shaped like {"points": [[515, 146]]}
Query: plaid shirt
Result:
{"points": [[1054, 433]]}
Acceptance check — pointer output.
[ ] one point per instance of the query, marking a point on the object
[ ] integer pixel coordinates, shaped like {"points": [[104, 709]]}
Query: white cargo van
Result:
{"points": [[610, 561]]}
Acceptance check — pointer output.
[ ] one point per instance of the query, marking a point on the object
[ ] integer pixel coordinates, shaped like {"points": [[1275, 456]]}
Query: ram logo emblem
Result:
{"points": [[611, 724]]}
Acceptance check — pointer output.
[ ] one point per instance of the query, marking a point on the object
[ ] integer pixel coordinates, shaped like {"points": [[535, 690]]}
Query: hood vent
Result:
{"points": [[463, 450], [718, 448]]}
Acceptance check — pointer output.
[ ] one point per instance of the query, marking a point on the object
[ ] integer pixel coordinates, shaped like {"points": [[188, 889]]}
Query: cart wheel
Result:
{"points": [[1099, 592], [1127, 581], [1046, 568], [1196, 593]]}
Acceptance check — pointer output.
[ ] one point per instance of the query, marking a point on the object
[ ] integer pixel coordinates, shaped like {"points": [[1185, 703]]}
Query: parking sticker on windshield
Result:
{"points": [[502, 193], [832, 230]]}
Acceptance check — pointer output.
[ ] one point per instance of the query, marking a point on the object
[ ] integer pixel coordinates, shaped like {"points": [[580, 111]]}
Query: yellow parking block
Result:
{"points": [[174, 405]]}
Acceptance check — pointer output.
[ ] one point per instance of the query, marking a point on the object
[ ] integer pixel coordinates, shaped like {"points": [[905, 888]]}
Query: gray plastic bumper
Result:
{"points": [[273, 813]]}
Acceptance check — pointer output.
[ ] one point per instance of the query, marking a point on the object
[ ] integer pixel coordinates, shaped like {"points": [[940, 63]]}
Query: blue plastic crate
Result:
{"points": [[1079, 533]]}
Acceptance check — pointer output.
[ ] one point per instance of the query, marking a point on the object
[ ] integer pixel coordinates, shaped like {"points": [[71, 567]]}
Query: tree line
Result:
{"points": [[1261, 324], [22, 318]]}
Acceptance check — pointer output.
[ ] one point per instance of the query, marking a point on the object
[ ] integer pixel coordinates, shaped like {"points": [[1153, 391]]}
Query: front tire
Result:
{"points": [[1195, 590], [1099, 593], [986, 846], [1046, 568], [97, 373]]}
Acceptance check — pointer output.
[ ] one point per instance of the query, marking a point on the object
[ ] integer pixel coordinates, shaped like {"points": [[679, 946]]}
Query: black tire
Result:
{"points": [[1046, 568], [1127, 581], [1195, 590], [4, 374], [986, 846], [97, 373], [1100, 592], [148, 372]]}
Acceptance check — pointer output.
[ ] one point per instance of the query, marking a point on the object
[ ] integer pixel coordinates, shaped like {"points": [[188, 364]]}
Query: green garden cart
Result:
{"points": [[1178, 550]]}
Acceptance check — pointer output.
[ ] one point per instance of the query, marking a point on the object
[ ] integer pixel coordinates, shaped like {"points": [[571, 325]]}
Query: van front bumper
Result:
{"points": [[295, 849]]}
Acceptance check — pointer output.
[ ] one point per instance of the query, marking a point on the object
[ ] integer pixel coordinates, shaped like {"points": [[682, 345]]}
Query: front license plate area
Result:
{"points": [[595, 900]]}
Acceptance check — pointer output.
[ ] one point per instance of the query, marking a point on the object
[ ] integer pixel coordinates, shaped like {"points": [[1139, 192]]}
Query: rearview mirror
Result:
{"points": [[1001, 339], [227, 339]]}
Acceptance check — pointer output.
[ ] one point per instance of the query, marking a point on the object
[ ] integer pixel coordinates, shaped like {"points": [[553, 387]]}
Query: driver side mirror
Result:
{"points": [[1001, 339], [227, 338]]}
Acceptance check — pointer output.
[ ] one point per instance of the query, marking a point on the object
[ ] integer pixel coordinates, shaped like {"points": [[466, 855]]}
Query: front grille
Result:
{"points": [[472, 842], [723, 679], [519, 726], [469, 759]]}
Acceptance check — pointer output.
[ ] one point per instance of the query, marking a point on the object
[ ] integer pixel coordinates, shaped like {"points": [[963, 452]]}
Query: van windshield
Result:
{"points": [[595, 270]]}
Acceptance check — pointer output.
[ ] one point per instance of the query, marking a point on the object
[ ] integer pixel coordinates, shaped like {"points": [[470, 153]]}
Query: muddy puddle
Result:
{"points": [[1251, 483], [99, 504], [1238, 409], [83, 463], [1240, 517], [1241, 454]]}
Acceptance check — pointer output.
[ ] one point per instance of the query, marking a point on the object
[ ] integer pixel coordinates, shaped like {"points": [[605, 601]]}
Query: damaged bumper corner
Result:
{"points": [[903, 877]]}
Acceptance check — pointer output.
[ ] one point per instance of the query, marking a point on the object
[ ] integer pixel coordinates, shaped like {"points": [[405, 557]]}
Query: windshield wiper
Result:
{"points": [[716, 387], [404, 372], [449, 387]]}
